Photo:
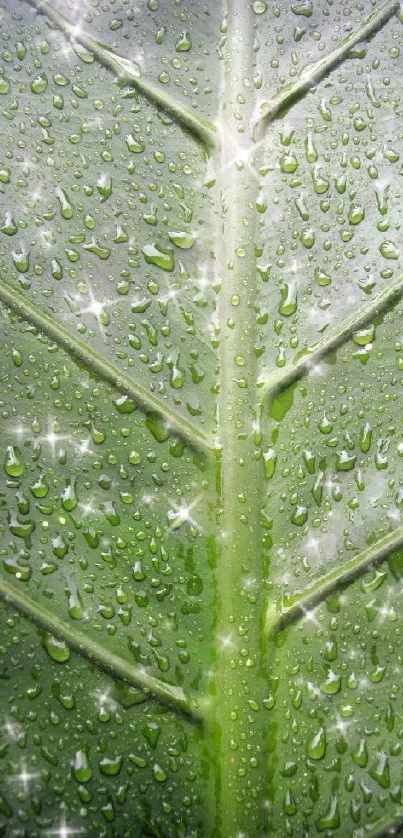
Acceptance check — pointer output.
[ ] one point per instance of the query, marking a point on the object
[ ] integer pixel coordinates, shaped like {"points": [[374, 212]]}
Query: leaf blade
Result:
{"points": [[174, 554]]}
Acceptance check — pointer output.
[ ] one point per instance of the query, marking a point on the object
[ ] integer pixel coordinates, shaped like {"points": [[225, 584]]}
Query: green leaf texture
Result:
{"points": [[201, 389]]}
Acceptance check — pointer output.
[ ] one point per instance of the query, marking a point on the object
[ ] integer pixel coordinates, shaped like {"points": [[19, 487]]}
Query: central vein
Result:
{"points": [[238, 716]]}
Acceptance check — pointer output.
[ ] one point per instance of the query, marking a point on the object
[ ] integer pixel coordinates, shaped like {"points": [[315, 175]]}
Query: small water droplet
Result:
{"points": [[316, 745], [162, 257], [56, 649], [13, 463], [184, 44]]}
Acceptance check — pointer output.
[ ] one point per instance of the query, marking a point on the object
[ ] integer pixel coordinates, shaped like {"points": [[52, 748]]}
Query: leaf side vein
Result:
{"points": [[387, 826], [281, 379], [313, 73], [281, 614], [103, 368], [94, 651], [127, 71]]}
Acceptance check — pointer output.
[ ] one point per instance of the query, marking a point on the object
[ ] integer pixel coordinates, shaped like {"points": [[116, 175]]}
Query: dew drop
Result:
{"points": [[111, 767], [13, 463], [81, 767], [39, 84], [389, 250], [259, 7], [288, 303], [155, 254], [56, 649], [182, 239], [316, 745], [159, 774], [184, 44]]}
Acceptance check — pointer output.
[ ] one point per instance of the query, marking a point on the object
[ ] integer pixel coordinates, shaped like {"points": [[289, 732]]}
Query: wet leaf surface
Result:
{"points": [[202, 484]]}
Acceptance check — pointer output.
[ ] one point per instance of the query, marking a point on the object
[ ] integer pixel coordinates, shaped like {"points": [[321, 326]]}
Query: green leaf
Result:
{"points": [[202, 356]]}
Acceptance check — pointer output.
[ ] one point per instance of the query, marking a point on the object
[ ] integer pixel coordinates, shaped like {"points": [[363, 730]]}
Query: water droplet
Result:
{"points": [[134, 145], [184, 44], [13, 565], [308, 237], [182, 239], [39, 83], [40, 488], [259, 7], [159, 774], [101, 251], [317, 488], [360, 754], [57, 269], [134, 458], [13, 463], [380, 770], [389, 250], [151, 731], [331, 820], [56, 649], [4, 85], [9, 227], [288, 303], [321, 277], [17, 357], [325, 426], [104, 186], [320, 183], [290, 806], [270, 459], [59, 546], [81, 767], [364, 336], [356, 214], [111, 767], [69, 497], [163, 257], [332, 684], [21, 259], [288, 162], [66, 208], [316, 745], [300, 515], [76, 610], [345, 461]]}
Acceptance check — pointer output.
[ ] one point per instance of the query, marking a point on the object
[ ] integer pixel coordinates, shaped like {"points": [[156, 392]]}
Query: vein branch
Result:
{"points": [[105, 369], [103, 658], [129, 72], [387, 826], [281, 379], [313, 73], [288, 610]]}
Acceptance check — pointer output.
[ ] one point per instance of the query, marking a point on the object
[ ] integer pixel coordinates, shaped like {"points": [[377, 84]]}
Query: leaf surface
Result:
{"points": [[200, 288]]}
